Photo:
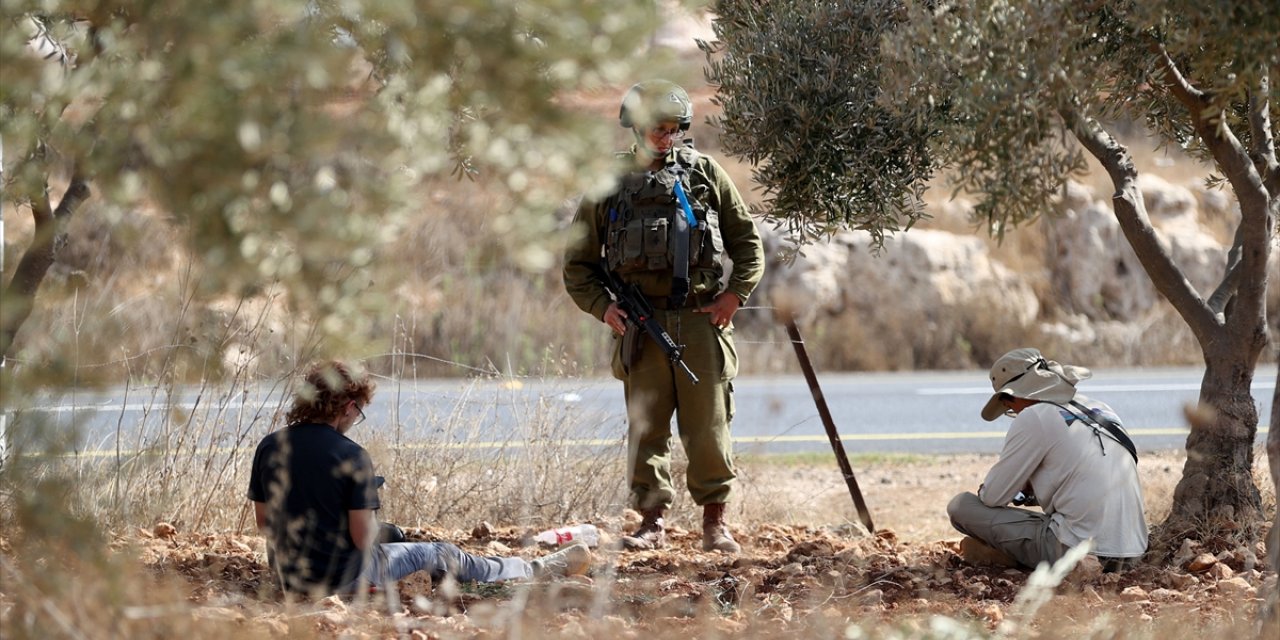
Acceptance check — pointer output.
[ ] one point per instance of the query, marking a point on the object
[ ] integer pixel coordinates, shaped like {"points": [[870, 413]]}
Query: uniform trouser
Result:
{"points": [[1021, 533], [656, 389]]}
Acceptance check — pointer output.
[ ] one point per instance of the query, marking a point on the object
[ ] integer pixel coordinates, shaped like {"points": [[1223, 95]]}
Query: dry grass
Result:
{"points": [[79, 556]]}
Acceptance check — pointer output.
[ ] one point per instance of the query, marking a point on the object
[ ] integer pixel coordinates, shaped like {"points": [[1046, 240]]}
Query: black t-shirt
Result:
{"points": [[309, 476]]}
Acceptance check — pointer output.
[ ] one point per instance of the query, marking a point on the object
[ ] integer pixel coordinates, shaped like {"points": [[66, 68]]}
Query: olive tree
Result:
{"points": [[849, 107], [285, 138]]}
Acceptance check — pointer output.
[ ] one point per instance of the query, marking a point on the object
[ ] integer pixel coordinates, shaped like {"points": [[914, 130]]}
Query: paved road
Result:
{"points": [[875, 413]]}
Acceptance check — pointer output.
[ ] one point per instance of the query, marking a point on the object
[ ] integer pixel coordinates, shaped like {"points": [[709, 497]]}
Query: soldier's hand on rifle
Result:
{"points": [[616, 318], [721, 309]]}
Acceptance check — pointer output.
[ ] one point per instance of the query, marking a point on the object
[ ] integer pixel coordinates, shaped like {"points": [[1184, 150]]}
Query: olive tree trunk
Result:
{"points": [[1217, 489], [1217, 484]]}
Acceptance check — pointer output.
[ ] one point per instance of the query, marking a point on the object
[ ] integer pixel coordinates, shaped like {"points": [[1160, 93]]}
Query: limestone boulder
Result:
{"points": [[1096, 271], [919, 274]]}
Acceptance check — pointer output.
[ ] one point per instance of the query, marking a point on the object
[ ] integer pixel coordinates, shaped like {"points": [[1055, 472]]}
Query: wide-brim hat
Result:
{"points": [[1025, 373]]}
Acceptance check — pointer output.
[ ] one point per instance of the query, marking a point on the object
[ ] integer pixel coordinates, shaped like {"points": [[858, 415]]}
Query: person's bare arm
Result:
{"points": [[364, 528]]}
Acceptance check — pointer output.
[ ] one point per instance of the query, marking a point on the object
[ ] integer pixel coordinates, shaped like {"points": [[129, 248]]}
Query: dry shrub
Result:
{"points": [[557, 466]]}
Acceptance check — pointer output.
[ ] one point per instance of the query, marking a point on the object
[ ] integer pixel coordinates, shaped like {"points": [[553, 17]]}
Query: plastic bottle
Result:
{"points": [[587, 533]]}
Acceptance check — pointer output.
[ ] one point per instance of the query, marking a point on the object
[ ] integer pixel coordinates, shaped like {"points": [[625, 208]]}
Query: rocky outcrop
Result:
{"points": [[917, 274], [1087, 288], [1095, 271]]}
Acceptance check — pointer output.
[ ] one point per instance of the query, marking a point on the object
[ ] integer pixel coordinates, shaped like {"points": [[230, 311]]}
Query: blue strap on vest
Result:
{"points": [[684, 204]]}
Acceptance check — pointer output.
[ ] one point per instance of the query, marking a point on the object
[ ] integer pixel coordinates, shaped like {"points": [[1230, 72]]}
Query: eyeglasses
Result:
{"points": [[660, 132], [361, 418]]}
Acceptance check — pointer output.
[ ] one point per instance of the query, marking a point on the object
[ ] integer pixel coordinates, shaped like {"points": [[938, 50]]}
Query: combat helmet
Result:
{"points": [[654, 101]]}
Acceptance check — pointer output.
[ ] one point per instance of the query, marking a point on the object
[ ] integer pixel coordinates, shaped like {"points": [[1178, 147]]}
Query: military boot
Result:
{"points": [[650, 534], [715, 533]]}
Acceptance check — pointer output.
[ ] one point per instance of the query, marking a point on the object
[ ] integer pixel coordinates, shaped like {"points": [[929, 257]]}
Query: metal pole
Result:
{"points": [[834, 436]]}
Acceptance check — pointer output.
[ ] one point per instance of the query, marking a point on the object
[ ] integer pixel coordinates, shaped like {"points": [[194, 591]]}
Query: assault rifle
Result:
{"points": [[640, 311]]}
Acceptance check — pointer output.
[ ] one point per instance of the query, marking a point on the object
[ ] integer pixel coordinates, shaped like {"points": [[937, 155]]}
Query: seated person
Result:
{"points": [[1064, 452], [314, 495]]}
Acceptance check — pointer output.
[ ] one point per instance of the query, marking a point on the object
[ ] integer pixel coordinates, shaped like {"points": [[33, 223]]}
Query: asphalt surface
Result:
{"points": [[874, 413]]}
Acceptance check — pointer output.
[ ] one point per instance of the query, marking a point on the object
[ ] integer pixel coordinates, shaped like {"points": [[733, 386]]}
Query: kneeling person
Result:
{"points": [[1064, 452], [314, 494]]}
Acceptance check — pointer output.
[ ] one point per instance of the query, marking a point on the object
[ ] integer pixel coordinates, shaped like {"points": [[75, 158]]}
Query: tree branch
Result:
{"points": [[19, 296], [1131, 212], [1254, 232], [1231, 277], [1264, 143], [1260, 124], [1264, 136]]}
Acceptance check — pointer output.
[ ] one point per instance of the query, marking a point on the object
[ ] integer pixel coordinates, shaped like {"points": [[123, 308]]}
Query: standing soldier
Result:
{"points": [[667, 229]]}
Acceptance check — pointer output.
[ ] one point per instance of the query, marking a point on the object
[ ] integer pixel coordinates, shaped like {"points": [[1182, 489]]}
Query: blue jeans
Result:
{"points": [[391, 562]]}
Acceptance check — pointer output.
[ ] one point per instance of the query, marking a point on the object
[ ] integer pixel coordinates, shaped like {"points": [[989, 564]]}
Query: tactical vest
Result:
{"points": [[641, 235]]}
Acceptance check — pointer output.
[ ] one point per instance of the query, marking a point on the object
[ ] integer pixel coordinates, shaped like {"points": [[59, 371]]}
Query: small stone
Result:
{"points": [[334, 603], [1201, 563], [1085, 571], [164, 531], [793, 569], [993, 613], [332, 619], [1134, 594], [1165, 595], [1179, 581], [1237, 587], [1221, 571], [871, 596], [1185, 552], [482, 531]]}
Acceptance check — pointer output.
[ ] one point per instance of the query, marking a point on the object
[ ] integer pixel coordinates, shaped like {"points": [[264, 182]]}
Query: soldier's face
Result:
{"points": [[660, 138]]}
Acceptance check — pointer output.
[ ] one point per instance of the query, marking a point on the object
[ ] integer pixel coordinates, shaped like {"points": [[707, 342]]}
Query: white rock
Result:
{"points": [[919, 274], [1236, 587]]}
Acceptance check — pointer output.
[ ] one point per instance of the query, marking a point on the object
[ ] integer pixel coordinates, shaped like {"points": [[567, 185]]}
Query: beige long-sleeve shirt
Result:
{"points": [[1085, 481]]}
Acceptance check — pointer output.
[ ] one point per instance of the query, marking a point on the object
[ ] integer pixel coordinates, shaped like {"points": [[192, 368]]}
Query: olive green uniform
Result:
{"points": [[654, 388]]}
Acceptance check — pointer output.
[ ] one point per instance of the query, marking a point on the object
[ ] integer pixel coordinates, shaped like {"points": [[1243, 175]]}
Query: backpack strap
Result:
{"points": [[1114, 430]]}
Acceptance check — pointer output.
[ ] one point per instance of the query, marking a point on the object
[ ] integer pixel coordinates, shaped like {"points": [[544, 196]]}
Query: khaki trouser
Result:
{"points": [[655, 390], [1021, 533]]}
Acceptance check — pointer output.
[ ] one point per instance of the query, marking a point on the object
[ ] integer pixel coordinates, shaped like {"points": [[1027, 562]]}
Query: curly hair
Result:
{"points": [[326, 388]]}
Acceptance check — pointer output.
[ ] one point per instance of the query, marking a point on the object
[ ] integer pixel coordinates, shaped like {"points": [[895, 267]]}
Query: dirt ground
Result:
{"points": [[806, 572]]}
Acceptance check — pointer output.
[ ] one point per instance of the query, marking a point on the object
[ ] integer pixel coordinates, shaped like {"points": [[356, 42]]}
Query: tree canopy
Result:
{"points": [[286, 137]]}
